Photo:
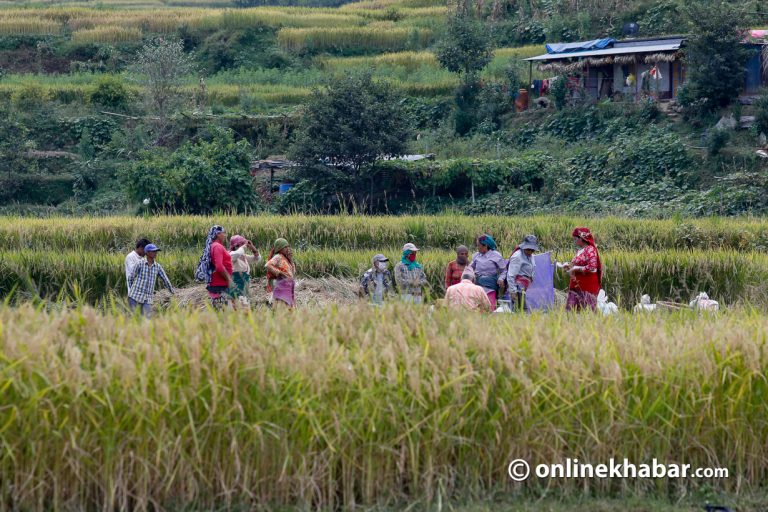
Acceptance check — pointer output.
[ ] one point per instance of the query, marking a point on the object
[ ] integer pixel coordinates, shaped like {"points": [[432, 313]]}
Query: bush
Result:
{"points": [[559, 93], [761, 114], [212, 174], [111, 92], [37, 189], [574, 123], [30, 97], [716, 141]]}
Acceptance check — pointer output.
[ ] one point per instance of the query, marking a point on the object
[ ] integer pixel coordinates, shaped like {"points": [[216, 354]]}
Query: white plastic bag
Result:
{"points": [[605, 307], [645, 304], [702, 302]]}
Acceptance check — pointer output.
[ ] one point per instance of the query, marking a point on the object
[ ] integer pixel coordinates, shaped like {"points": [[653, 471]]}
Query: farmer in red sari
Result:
{"points": [[586, 273]]}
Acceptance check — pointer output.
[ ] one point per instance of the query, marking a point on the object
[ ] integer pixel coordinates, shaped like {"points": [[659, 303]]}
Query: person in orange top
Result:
{"points": [[586, 271], [467, 294], [281, 271], [455, 268]]}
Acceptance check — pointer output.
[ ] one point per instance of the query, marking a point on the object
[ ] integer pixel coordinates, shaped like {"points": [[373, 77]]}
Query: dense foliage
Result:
{"points": [[714, 55], [210, 174], [76, 120]]}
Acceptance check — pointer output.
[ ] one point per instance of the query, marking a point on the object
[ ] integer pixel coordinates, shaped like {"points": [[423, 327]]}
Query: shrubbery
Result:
{"points": [[212, 174]]}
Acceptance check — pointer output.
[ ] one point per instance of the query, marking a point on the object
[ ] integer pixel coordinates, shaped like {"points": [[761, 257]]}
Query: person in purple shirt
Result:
{"points": [[489, 266]]}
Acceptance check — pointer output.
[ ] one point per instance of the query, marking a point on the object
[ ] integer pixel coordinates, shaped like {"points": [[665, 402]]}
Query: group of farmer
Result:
{"points": [[478, 283], [226, 272], [475, 284]]}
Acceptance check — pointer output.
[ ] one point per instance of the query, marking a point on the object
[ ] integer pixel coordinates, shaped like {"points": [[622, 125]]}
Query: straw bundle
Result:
{"points": [[602, 61], [575, 66], [552, 66], [624, 59], [660, 57]]}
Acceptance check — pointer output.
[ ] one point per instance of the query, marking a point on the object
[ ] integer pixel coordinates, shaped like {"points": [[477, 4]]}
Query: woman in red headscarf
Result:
{"points": [[586, 272]]}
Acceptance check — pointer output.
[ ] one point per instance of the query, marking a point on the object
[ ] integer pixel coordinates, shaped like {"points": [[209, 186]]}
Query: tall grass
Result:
{"points": [[331, 410]]}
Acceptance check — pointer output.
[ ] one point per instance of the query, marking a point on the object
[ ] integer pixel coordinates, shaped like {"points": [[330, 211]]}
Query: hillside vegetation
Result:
{"points": [[81, 125]]}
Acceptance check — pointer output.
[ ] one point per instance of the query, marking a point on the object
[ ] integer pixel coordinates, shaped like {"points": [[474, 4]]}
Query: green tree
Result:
{"points": [[211, 174], [160, 68], [346, 128], [466, 47], [714, 54]]}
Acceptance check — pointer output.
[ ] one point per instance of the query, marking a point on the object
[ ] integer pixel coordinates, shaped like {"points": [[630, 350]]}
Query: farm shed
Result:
{"points": [[632, 68]]}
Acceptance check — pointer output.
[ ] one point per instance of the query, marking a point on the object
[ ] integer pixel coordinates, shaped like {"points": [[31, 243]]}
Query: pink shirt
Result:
{"points": [[468, 295]]}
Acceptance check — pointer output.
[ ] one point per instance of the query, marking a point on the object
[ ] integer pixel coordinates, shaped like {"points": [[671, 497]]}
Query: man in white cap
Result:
{"points": [[467, 294], [376, 283], [410, 276]]}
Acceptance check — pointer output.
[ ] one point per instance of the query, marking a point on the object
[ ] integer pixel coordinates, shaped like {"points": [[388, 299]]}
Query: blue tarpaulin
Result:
{"points": [[595, 44]]}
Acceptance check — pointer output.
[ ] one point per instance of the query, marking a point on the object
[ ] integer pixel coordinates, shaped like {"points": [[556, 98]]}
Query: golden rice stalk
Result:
{"points": [[107, 34]]}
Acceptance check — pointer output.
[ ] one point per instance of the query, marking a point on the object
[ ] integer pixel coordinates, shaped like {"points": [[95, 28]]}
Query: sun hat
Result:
{"points": [[530, 242], [151, 248], [410, 247], [380, 257]]}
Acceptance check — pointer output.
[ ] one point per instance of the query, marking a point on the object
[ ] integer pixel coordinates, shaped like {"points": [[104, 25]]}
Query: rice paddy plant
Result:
{"points": [[351, 38], [360, 232], [107, 34], [408, 60], [727, 276], [231, 95], [371, 407], [29, 27]]}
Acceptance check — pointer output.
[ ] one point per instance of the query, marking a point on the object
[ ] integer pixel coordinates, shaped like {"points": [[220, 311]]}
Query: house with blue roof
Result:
{"points": [[631, 69]]}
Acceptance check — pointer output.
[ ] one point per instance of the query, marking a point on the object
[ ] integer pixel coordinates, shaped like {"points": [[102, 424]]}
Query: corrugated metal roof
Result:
{"points": [[626, 43], [667, 47]]}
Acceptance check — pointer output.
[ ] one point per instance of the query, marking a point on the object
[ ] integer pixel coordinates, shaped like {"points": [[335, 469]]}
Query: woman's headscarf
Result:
{"points": [[410, 265], [279, 245], [488, 241], [236, 241], [586, 235], [204, 271]]}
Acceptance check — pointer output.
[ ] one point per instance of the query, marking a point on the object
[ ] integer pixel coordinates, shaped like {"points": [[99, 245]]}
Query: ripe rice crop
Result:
{"points": [[231, 95], [107, 34], [368, 233], [324, 39], [371, 407], [409, 60], [28, 27], [727, 276]]}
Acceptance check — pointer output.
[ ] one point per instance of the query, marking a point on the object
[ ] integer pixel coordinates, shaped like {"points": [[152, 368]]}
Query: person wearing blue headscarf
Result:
{"points": [[489, 266], [410, 276]]}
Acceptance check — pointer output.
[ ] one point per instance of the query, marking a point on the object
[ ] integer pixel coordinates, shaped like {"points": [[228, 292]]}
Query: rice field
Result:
{"points": [[670, 260], [359, 232], [165, 19], [332, 409]]}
